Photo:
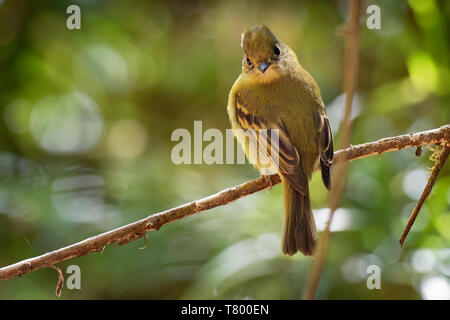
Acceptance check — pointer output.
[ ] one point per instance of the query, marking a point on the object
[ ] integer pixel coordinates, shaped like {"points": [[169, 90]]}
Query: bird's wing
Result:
{"points": [[325, 147], [283, 154]]}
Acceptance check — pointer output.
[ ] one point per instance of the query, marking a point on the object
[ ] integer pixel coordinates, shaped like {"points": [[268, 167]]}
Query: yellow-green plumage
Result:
{"points": [[275, 92]]}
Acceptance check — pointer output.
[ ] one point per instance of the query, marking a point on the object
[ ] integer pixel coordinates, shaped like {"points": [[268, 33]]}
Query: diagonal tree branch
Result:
{"points": [[426, 192], [138, 229], [339, 179]]}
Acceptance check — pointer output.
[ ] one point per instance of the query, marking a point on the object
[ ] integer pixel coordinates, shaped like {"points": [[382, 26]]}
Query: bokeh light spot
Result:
{"points": [[423, 72], [70, 123], [414, 182], [435, 288], [423, 260], [342, 219], [127, 139], [105, 66]]}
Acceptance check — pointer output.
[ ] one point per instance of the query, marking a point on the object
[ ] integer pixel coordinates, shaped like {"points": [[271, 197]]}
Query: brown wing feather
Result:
{"points": [[288, 159], [325, 148]]}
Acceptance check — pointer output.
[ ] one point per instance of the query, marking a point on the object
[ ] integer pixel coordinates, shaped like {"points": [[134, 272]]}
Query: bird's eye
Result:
{"points": [[276, 50], [249, 62]]}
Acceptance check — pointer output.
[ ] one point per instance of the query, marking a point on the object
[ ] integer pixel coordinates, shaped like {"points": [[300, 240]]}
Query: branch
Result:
{"points": [[339, 180], [426, 192], [138, 229]]}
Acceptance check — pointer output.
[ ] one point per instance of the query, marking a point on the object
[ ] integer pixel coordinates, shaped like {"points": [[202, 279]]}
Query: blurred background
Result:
{"points": [[86, 118]]}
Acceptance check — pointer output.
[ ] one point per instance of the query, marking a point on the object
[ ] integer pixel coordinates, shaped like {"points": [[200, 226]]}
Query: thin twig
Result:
{"points": [[426, 192], [136, 230], [340, 178], [60, 283]]}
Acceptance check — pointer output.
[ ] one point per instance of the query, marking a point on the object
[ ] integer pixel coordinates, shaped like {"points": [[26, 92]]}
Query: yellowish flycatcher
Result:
{"points": [[275, 92]]}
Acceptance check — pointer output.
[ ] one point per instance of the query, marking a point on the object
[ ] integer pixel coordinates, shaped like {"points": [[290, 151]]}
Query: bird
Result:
{"points": [[274, 93]]}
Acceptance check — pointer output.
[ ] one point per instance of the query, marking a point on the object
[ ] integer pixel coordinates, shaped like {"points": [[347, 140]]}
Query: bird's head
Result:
{"points": [[265, 56]]}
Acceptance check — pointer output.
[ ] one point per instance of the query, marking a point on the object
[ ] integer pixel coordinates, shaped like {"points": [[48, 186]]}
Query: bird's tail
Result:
{"points": [[299, 232]]}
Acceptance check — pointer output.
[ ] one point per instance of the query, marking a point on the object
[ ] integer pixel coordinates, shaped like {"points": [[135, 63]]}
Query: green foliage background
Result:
{"points": [[85, 146]]}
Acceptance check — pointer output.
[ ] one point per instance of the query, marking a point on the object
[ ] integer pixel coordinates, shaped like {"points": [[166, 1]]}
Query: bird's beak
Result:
{"points": [[263, 66]]}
